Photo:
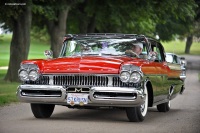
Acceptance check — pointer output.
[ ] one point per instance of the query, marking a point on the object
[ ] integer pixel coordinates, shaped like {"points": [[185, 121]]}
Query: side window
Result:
{"points": [[144, 52], [156, 47]]}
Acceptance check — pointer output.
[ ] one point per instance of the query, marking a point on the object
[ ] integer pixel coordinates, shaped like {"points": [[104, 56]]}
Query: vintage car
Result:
{"points": [[94, 71]]}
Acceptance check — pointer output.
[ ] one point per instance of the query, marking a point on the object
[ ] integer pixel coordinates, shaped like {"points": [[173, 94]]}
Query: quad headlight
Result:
{"points": [[28, 72], [125, 76], [23, 75], [33, 75], [135, 77], [130, 73]]}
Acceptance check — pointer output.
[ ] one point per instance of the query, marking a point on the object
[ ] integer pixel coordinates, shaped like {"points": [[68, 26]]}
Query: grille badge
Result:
{"points": [[78, 89]]}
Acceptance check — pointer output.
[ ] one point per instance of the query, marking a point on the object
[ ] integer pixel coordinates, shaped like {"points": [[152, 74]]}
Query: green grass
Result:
{"points": [[7, 90], [37, 49], [178, 47]]}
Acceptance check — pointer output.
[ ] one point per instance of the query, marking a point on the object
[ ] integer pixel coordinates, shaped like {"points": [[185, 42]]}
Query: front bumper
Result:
{"points": [[97, 96]]}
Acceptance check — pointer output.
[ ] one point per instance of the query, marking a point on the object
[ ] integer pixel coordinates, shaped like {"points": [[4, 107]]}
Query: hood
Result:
{"points": [[87, 64], [84, 64]]}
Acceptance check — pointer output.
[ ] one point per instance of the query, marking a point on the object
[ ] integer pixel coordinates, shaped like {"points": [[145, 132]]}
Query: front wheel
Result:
{"points": [[164, 107], [137, 114], [42, 110]]}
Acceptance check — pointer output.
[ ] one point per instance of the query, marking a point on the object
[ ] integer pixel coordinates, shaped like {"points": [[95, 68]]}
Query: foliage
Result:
{"points": [[111, 16], [8, 13], [181, 23], [166, 18], [40, 34]]}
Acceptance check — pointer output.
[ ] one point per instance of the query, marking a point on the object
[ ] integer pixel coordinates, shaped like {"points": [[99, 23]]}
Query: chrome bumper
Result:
{"points": [[98, 96]]}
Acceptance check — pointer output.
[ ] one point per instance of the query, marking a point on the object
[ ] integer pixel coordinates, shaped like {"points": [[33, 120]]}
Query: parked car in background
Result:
{"points": [[93, 70], [176, 61]]}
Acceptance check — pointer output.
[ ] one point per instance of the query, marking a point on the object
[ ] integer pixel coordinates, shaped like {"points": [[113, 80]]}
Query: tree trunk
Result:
{"points": [[188, 44], [20, 43], [57, 31]]}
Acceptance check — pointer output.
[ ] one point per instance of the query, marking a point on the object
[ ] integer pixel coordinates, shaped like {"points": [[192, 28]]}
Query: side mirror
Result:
{"points": [[48, 54]]}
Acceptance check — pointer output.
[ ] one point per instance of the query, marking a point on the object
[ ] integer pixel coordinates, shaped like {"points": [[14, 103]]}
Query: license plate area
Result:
{"points": [[77, 99]]}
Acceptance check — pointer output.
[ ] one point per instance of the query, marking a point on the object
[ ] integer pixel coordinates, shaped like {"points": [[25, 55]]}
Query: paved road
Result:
{"points": [[184, 117], [193, 61]]}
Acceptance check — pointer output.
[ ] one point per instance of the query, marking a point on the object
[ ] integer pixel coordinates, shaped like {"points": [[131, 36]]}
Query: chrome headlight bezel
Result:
{"points": [[124, 76], [23, 75]]}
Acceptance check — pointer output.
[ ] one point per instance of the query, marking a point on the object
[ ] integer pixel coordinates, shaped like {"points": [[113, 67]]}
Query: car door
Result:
{"points": [[162, 69]]}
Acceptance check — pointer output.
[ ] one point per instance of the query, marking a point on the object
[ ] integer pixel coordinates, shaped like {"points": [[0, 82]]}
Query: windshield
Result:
{"points": [[98, 47]]}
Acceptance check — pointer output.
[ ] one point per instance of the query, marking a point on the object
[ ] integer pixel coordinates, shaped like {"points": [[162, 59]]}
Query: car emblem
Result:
{"points": [[78, 89]]}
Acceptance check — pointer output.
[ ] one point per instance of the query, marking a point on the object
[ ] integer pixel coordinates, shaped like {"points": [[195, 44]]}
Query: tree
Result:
{"points": [[195, 28], [147, 17], [108, 16], [111, 16], [18, 19], [53, 14], [181, 22]]}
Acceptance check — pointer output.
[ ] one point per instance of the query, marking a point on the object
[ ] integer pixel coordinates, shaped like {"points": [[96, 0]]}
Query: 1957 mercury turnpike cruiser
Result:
{"points": [[94, 70]]}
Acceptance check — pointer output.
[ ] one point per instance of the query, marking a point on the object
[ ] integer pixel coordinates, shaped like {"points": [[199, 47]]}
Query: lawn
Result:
{"points": [[178, 47], [37, 49]]}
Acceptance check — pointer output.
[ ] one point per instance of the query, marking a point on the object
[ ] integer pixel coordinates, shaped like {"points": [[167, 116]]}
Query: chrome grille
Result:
{"points": [[81, 80]]}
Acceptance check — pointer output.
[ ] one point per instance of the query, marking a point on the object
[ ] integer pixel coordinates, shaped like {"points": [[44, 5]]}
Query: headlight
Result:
{"points": [[125, 76], [135, 77], [33, 75], [23, 75]]}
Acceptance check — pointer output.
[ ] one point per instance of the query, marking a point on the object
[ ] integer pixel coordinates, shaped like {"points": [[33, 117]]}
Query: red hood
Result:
{"points": [[87, 64]]}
